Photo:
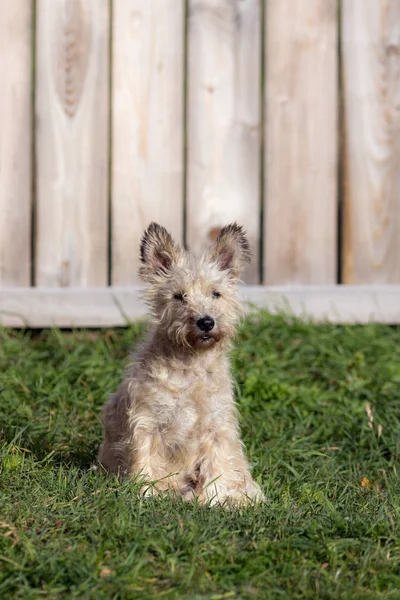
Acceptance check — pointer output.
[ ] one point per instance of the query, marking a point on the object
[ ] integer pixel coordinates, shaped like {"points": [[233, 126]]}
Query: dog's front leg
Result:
{"points": [[151, 463], [225, 472]]}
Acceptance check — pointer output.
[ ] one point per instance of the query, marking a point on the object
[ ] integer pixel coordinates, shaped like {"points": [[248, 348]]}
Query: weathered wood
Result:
{"points": [[224, 91], [371, 84], [15, 142], [300, 201], [116, 306], [72, 75], [69, 307], [147, 126]]}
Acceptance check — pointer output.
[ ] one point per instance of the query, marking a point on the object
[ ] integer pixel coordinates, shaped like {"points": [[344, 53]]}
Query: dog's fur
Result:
{"points": [[173, 419]]}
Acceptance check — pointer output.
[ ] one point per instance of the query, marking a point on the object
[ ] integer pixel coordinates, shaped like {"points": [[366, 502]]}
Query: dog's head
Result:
{"points": [[193, 301]]}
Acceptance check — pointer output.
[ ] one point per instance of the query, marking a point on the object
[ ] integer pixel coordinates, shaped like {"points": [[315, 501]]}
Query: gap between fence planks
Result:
{"points": [[300, 201], [15, 142], [117, 306], [147, 126], [72, 73], [224, 88], [371, 88]]}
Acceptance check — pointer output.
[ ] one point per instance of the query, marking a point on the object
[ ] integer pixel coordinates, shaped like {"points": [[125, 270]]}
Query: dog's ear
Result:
{"points": [[231, 250], [158, 253]]}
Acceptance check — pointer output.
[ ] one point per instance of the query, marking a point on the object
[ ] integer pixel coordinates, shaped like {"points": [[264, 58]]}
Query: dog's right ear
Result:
{"points": [[158, 253], [231, 250]]}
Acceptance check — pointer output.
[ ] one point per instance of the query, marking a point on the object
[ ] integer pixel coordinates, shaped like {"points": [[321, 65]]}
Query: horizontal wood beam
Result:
{"points": [[117, 306]]}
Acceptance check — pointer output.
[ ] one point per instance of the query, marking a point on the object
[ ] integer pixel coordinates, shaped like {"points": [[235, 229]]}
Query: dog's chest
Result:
{"points": [[190, 400]]}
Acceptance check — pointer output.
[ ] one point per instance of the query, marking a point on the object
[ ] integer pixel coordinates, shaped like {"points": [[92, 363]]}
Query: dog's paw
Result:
{"points": [[251, 494], [254, 493]]}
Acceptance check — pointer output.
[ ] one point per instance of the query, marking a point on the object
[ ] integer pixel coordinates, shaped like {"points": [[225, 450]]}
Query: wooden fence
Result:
{"points": [[281, 114]]}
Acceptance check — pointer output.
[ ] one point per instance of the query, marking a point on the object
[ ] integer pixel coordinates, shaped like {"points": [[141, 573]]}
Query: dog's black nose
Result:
{"points": [[206, 323]]}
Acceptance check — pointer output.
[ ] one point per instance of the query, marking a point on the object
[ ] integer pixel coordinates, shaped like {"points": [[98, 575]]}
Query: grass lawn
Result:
{"points": [[331, 526]]}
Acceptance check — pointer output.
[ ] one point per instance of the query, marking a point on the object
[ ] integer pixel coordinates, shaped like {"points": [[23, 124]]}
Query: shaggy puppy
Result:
{"points": [[173, 419]]}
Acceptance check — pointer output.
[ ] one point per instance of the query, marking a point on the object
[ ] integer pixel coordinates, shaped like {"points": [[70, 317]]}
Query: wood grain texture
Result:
{"points": [[224, 90], [117, 306], [147, 126], [300, 203], [15, 142], [72, 111], [371, 87]]}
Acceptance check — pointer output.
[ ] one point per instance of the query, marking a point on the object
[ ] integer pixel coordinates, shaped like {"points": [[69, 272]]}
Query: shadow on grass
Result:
{"points": [[74, 453]]}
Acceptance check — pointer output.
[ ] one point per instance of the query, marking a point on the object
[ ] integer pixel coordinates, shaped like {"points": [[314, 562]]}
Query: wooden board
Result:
{"points": [[72, 112], [69, 307], [223, 141], [300, 201], [116, 306], [147, 126], [15, 142], [371, 86]]}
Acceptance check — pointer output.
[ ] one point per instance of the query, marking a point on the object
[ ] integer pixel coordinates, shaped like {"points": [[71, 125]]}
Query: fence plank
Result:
{"points": [[147, 124], [371, 63], [115, 306], [301, 142], [224, 90], [15, 142], [72, 142]]}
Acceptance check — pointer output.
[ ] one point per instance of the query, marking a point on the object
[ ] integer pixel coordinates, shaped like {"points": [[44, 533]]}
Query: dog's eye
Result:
{"points": [[216, 294], [180, 297]]}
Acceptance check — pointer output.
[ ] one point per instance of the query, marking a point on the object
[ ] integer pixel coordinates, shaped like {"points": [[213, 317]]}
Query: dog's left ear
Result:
{"points": [[231, 250]]}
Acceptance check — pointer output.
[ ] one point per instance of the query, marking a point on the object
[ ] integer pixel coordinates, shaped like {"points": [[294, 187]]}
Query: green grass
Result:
{"points": [[67, 531]]}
